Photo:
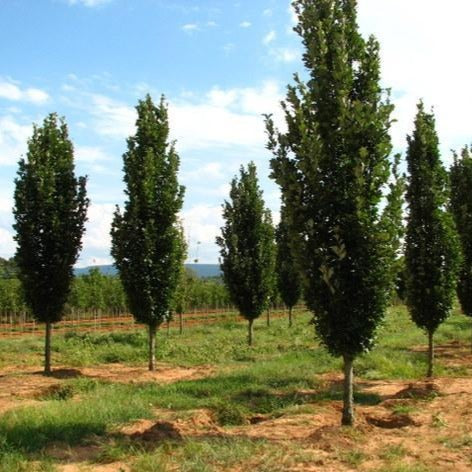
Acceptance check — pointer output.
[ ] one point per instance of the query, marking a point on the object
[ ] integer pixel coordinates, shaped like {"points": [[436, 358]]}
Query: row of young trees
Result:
{"points": [[95, 292], [342, 199], [147, 238], [341, 220]]}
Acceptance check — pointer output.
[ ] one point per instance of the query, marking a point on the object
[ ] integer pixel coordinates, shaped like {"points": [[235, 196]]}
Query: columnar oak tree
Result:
{"points": [[50, 212], [147, 240], [333, 165], [247, 247], [461, 206], [288, 274], [432, 247]]}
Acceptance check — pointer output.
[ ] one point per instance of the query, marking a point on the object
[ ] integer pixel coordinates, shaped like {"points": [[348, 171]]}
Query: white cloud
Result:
{"points": [[210, 171], [293, 14], [97, 233], [112, 118], [245, 24], [222, 98], [189, 27], [284, 54], [10, 90], [13, 140], [88, 3], [7, 244], [426, 59], [91, 154], [219, 118], [267, 12], [269, 37], [211, 24], [228, 118], [202, 224]]}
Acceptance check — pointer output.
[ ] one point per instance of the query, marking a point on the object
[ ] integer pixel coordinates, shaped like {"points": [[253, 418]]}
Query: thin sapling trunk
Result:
{"points": [[152, 347], [430, 354], [47, 349], [250, 332], [348, 395]]}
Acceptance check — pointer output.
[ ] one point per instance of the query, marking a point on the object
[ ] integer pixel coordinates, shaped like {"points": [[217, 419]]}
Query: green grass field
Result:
{"points": [[280, 376]]}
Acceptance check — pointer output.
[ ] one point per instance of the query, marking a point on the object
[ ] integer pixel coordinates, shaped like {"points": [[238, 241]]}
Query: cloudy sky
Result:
{"points": [[221, 64]]}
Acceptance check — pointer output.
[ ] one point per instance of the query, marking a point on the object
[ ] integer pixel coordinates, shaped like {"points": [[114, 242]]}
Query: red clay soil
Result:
{"points": [[436, 433], [25, 386], [424, 423]]}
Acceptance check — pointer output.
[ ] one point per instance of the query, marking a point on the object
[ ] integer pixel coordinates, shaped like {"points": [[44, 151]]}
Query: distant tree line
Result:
{"points": [[97, 293]]}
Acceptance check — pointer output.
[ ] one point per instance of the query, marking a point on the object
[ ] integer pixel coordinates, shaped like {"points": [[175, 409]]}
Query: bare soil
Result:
{"points": [[24, 386], [423, 422]]}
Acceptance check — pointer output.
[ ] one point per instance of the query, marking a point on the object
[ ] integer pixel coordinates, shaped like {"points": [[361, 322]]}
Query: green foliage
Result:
{"points": [[333, 165], [432, 247], [95, 292], [461, 207], [11, 296], [247, 246], [8, 268], [147, 241], [288, 275], [50, 212]]}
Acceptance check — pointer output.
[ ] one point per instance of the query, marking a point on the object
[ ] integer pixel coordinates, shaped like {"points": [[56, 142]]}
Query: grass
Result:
{"points": [[216, 454], [224, 345], [280, 375]]}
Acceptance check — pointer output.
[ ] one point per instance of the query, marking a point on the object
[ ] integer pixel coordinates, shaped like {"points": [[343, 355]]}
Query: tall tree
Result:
{"points": [[50, 212], [333, 165], [288, 275], [247, 247], [461, 206], [432, 247], [147, 239]]}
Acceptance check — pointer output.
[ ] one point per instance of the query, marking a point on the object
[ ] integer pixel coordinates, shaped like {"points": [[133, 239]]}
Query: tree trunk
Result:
{"points": [[168, 327], [181, 323], [348, 397], [47, 349], [152, 347], [289, 316], [268, 317], [250, 332], [430, 354]]}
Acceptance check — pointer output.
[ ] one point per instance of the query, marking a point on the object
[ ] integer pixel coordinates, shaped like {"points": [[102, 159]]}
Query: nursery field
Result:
{"points": [[214, 404]]}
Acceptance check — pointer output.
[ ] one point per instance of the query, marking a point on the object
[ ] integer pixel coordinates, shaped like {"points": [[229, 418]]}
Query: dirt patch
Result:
{"points": [[392, 421], [419, 391], [28, 385], [157, 433], [164, 373], [191, 424]]}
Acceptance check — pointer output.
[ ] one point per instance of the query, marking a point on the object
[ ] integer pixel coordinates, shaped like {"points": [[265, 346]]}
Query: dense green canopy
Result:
{"points": [[147, 239], [50, 212], [432, 247], [247, 247], [333, 166]]}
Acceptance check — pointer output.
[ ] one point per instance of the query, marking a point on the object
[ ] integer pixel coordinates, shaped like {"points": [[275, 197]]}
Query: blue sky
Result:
{"points": [[221, 64]]}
